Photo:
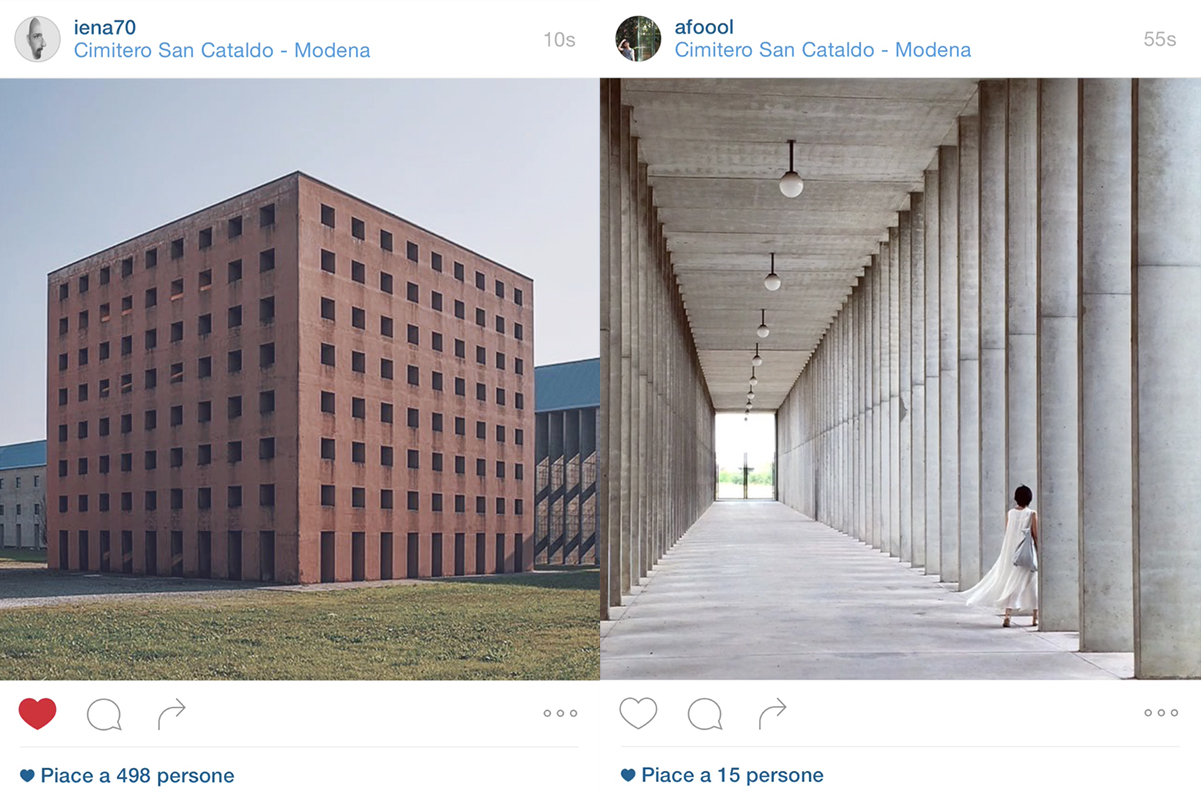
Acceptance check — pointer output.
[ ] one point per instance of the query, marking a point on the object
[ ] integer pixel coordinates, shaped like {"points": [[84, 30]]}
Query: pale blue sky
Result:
{"points": [[505, 168]]}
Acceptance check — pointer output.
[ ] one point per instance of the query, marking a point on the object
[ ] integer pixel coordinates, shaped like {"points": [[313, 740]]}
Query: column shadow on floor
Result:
{"points": [[756, 590]]}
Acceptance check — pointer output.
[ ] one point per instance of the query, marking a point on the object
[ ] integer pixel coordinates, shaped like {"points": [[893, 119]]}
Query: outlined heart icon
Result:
{"points": [[638, 712], [37, 713]]}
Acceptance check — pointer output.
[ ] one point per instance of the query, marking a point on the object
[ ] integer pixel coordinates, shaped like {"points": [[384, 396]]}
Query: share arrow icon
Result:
{"points": [[769, 708], [170, 708]]}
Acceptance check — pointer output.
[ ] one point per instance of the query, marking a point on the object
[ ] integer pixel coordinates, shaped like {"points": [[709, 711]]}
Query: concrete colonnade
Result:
{"points": [[1032, 318], [565, 462], [655, 425]]}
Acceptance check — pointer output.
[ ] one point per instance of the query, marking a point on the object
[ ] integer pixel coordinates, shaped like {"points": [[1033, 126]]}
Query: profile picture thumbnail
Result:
{"points": [[37, 39], [638, 38]]}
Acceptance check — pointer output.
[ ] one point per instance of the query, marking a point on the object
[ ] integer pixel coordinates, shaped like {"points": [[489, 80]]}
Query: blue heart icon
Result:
{"points": [[628, 774], [27, 775]]}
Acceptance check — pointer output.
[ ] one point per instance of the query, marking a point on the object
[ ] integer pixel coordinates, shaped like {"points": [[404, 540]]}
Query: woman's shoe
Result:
{"points": [[1005, 624]]}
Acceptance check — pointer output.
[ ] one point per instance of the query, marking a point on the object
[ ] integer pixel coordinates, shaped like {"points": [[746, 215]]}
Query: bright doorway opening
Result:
{"points": [[746, 456]]}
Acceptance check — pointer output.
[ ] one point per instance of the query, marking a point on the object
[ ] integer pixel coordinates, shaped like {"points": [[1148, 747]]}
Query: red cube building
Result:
{"points": [[292, 385]]}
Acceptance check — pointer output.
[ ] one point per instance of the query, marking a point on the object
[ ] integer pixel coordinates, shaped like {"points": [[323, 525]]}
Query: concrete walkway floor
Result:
{"points": [[756, 590]]}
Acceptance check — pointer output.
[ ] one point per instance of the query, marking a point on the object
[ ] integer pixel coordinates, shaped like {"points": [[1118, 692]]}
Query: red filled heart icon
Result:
{"points": [[37, 713]]}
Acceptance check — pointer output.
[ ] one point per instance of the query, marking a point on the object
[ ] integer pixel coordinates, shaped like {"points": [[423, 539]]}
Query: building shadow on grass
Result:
{"points": [[586, 578], [20, 584], [11, 556], [23, 585]]}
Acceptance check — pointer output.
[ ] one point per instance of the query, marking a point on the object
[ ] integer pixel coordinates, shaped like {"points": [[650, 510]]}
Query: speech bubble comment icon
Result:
{"points": [[705, 714], [104, 715]]}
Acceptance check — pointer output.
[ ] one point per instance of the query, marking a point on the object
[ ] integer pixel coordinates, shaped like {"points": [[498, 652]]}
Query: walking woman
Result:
{"points": [[1012, 583]]}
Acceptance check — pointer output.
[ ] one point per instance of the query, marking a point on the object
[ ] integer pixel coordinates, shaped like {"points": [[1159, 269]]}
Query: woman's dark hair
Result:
{"points": [[1023, 496]]}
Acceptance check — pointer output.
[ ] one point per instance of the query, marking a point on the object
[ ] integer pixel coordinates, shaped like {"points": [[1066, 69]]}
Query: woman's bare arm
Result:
{"points": [[1034, 527]]}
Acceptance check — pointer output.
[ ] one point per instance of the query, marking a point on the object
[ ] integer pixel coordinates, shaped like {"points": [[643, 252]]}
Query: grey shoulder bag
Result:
{"points": [[1025, 556]]}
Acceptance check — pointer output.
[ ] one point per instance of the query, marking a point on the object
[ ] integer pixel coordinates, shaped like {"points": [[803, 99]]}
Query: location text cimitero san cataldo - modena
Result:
{"points": [[687, 48], [255, 50]]}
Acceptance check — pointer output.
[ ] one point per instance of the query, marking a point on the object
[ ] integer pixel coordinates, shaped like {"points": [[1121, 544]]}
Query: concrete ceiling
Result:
{"points": [[715, 151]]}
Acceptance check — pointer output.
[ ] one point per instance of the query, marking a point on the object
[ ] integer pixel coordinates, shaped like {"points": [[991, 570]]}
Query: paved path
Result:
{"points": [[755, 590]]}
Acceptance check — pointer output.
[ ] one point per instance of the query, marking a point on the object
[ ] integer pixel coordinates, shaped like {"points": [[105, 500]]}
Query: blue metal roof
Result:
{"points": [[574, 384], [26, 454]]}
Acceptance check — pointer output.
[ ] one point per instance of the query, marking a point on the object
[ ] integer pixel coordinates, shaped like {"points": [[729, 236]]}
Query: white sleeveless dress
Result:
{"points": [[1005, 585]]}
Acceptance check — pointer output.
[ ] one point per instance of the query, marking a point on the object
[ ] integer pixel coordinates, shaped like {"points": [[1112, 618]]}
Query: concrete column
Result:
{"points": [[917, 365], [608, 477], [994, 492], [822, 390], [879, 435], [871, 358], [848, 418], [602, 419], [658, 375], [883, 391], [864, 408], [830, 431], [933, 424], [834, 393], [888, 468], [845, 419], [825, 398], [866, 399], [1167, 324], [630, 219], [851, 310], [1106, 319], [969, 351], [852, 410], [894, 394], [638, 410], [658, 368], [1058, 364], [840, 382], [856, 407], [825, 395], [835, 403], [905, 478], [948, 361], [1021, 272], [882, 416], [870, 449], [865, 326], [825, 437]]}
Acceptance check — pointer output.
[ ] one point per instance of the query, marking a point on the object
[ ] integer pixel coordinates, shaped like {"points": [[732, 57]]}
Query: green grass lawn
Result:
{"points": [[26, 556], [522, 627]]}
